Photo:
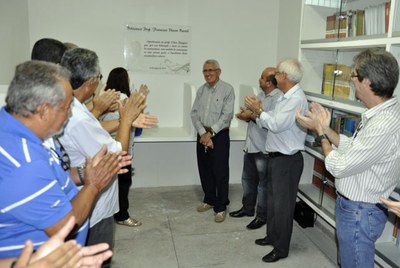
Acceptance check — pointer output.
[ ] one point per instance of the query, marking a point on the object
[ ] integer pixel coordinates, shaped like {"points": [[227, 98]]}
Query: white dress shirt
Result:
{"points": [[284, 133]]}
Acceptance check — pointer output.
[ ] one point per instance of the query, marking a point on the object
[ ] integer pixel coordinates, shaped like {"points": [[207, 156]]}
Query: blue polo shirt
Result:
{"points": [[35, 192]]}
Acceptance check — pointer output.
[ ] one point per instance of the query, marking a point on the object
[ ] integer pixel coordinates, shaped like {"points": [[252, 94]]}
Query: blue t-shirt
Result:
{"points": [[35, 192]]}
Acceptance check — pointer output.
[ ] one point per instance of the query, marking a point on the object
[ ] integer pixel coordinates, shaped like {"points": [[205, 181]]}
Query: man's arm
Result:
{"points": [[129, 112], [97, 177]]}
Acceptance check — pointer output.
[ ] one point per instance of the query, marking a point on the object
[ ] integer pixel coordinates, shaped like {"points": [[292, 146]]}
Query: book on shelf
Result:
{"points": [[336, 81], [330, 26], [344, 123], [351, 23]]}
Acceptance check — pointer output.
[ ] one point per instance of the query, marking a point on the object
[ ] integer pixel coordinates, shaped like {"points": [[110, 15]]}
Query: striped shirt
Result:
{"points": [[35, 192], [213, 107], [367, 165], [256, 136]]}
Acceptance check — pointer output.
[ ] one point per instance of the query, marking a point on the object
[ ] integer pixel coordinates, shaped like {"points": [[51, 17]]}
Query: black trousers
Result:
{"points": [[213, 168], [124, 184], [102, 232], [283, 177]]}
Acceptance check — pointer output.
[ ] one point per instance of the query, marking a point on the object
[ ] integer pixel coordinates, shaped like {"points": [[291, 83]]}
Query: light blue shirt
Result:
{"points": [[213, 107], [284, 133], [256, 135]]}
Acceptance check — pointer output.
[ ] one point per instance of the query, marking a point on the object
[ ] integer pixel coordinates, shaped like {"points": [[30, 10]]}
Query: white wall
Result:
{"points": [[237, 33], [288, 29], [14, 32]]}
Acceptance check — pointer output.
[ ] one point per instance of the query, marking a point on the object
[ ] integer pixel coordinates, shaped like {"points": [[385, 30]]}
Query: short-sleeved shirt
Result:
{"points": [[256, 135], [84, 136], [35, 192]]}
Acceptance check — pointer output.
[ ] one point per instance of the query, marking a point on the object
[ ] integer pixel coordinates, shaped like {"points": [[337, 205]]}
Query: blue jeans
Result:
{"points": [[255, 184], [358, 226]]}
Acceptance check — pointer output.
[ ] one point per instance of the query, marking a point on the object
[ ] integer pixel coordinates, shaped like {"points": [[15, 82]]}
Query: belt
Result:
{"points": [[339, 194], [378, 205], [208, 129], [275, 154]]}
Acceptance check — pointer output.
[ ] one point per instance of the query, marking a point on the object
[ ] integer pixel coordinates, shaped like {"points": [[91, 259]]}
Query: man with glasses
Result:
{"points": [[84, 136], [255, 157], [365, 166], [37, 193], [211, 114]]}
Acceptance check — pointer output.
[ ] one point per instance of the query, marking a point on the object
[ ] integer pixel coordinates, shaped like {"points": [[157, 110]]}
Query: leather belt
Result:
{"points": [[339, 194], [208, 129], [275, 154]]}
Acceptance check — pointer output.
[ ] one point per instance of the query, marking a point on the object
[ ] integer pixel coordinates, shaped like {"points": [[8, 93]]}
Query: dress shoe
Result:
{"points": [[255, 224], [263, 241], [272, 257], [220, 216], [240, 213], [130, 222], [203, 207]]}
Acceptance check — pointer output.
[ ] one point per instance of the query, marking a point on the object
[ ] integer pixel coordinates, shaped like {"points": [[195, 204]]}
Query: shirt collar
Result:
{"points": [[290, 92], [11, 124], [273, 92], [376, 109]]}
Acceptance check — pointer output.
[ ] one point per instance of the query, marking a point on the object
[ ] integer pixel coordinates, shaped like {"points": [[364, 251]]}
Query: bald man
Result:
{"points": [[255, 157]]}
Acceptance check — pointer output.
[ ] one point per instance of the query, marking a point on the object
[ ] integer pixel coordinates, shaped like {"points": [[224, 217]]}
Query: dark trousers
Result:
{"points": [[124, 184], [213, 168], [283, 176], [254, 182], [102, 232]]}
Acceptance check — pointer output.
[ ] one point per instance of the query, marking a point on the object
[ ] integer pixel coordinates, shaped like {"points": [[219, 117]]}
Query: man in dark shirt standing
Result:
{"points": [[211, 114]]}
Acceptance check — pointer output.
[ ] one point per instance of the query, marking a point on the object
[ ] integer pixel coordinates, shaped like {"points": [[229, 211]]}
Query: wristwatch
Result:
{"points": [[320, 138], [212, 132], [259, 112]]}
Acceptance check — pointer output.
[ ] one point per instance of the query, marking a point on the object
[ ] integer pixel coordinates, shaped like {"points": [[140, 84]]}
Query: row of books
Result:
{"points": [[369, 21], [344, 123], [336, 81]]}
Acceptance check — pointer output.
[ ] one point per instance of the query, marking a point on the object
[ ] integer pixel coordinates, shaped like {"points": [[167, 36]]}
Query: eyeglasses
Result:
{"points": [[64, 159], [99, 77], [209, 70], [352, 75]]}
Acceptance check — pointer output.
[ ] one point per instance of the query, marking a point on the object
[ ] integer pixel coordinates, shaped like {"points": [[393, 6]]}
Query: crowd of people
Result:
{"points": [[366, 165], [66, 154]]}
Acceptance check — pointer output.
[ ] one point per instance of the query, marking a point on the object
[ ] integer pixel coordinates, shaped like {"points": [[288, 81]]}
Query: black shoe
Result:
{"points": [[255, 224], [263, 241], [272, 257], [240, 213]]}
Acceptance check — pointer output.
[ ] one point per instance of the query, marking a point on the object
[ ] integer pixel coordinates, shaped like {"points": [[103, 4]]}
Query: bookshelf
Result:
{"points": [[327, 54]]}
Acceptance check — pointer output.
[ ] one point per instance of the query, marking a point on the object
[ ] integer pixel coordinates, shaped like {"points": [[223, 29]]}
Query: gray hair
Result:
{"points": [[83, 65], [381, 68], [214, 62], [35, 83], [292, 68]]}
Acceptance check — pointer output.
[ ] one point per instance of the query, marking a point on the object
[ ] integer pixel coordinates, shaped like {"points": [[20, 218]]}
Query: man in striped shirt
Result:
{"points": [[366, 166]]}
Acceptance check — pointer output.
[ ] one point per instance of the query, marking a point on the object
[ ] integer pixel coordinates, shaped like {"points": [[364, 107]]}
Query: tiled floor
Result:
{"points": [[174, 235]]}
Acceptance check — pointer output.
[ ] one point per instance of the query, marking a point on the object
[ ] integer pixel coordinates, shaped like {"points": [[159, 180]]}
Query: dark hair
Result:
{"points": [[381, 68], [47, 49], [118, 79], [272, 78]]}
